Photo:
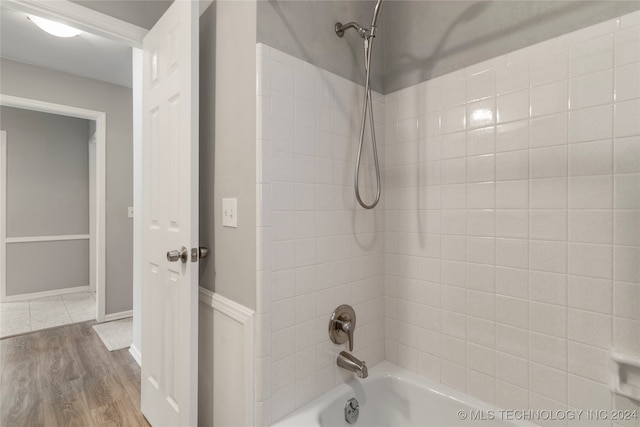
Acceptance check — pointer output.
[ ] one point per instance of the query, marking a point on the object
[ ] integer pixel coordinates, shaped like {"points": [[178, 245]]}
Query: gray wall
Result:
{"points": [[47, 195], [207, 138], [32, 82], [305, 29], [60, 265], [47, 173], [235, 149], [421, 39], [425, 39]]}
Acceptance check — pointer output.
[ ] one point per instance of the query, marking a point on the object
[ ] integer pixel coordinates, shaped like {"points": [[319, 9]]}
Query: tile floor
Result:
{"points": [[41, 313]]}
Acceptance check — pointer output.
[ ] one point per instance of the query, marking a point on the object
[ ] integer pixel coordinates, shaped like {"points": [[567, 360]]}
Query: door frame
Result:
{"points": [[100, 236]]}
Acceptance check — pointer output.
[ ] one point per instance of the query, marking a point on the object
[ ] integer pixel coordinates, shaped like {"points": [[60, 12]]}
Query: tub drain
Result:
{"points": [[351, 410]]}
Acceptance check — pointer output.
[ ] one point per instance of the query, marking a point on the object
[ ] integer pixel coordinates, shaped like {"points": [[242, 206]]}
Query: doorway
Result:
{"points": [[54, 307]]}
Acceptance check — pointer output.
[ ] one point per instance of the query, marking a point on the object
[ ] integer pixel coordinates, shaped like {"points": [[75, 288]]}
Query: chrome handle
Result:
{"points": [[173, 256], [342, 324], [199, 253]]}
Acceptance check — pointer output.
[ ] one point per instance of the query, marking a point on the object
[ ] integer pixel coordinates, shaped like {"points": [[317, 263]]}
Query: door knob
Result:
{"points": [[199, 253], [173, 256]]}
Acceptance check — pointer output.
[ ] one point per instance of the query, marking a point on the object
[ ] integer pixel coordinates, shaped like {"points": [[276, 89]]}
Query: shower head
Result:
{"points": [[376, 15], [362, 32]]}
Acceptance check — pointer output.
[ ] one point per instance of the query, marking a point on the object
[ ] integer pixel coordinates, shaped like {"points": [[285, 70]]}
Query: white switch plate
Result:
{"points": [[230, 213], [130, 211]]}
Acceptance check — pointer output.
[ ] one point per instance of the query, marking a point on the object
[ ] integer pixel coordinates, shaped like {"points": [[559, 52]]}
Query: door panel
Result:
{"points": [[170, 218]]}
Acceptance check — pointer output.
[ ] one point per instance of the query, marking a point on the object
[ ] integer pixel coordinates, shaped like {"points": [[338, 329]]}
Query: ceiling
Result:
{"points": [[86, 55]]}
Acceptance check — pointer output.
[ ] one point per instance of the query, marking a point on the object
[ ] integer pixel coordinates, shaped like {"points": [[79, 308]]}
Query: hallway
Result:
{"points": [[66, 377]]}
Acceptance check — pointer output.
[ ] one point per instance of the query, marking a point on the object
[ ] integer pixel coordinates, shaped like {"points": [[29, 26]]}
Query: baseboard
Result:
{"points": [[117, 316], [136, 354], [54, 292]]}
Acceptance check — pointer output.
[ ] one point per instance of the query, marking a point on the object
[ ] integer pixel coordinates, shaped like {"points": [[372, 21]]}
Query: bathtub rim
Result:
{"points": [[309, 413]]}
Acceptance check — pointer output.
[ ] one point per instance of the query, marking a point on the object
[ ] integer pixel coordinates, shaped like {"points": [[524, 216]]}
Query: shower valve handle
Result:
{"points": [[342, 324]]}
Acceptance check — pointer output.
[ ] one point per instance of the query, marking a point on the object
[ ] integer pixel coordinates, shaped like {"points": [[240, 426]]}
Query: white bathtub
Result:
{"points": [[392, 396]]}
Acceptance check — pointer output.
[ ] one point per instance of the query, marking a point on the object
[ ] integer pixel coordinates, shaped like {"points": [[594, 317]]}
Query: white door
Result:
{"points": [[170, 218]]}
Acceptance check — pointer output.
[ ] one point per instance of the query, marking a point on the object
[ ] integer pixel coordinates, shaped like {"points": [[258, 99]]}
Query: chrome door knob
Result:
{"points": [[174, 256]]}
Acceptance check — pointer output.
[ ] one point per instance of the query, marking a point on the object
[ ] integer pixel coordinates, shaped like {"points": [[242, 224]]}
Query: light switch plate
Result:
{"points": [[130, 211], [230, 213]]}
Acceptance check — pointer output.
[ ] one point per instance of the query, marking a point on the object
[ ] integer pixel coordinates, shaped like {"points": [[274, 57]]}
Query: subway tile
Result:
{"points": [[626, 264], [482, 305], [550, 288], [452, 120], [548, 351], [625, 335], [548, 193], [512, 194], [589, 328], [588, 362], [627, 82], [550, 67], [480, 276], [512, 311], [591, 89], [481, 113], [548, 256], [548, 319], [514, 341], [512, 281], [590, 260], [627, 191], [627, 155], [512, 165], [594, 123], [548, 224], [512, 253], [480, 195], [626, 228], [512, 223], [481, 141], [513, 106], [591, 158], [590, 56], [626, 300], [626, 46], [591, 192], [512, 136], [548, 382], [481, 85], [587, 293], [480, 168], [513, 370], [588, 33], [584, 393], [550, 98], [590, 226], [548, 162], [513, 76], [626, 121], [549, 130], [453, 145]]}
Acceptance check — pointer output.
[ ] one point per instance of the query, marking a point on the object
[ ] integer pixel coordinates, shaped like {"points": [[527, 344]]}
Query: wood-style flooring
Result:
{"points": [[66, 377]]}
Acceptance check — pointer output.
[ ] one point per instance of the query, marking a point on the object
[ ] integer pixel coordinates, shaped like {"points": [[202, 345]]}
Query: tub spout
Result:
{"points": [[352, 364]]}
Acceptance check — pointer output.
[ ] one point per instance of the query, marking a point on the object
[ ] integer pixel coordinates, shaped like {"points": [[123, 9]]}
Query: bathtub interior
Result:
{"points": [[393, 396]]}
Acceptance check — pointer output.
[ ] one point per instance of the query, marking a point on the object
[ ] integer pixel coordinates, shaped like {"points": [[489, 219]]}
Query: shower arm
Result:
{"points": [[362, 32]]}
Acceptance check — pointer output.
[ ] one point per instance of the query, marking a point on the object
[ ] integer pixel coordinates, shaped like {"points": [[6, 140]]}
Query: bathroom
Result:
{"points": [[503, 258], [458, 245]]}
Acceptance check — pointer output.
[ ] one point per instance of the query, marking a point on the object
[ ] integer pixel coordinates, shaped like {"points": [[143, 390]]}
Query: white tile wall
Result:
{"points": [[529, 273], [316, 250], [504, 258]]}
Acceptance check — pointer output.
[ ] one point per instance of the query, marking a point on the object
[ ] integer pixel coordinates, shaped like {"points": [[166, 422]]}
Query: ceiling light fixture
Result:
{"points": [[54, 28]]}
